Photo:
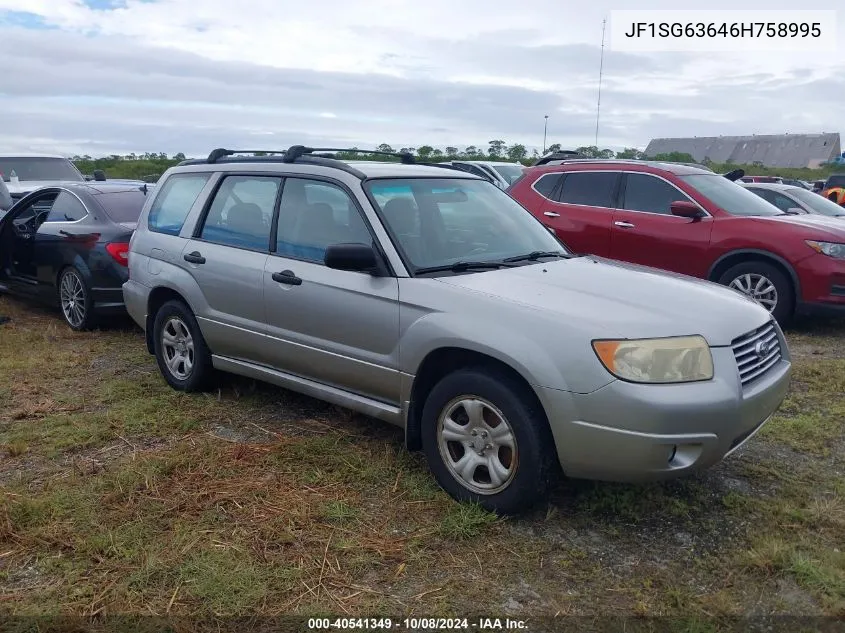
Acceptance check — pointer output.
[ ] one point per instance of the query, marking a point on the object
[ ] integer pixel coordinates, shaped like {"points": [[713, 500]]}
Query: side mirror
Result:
{"points": [[355, 257], [686, 209], [99, 175]]}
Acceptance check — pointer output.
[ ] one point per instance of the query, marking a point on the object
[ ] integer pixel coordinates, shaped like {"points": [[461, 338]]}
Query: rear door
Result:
{"points": [[645, 231], [580, 209], [226, 257]]}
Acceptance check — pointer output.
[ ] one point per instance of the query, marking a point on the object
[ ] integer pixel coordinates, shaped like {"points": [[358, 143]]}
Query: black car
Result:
{"points": [[68, 245]]}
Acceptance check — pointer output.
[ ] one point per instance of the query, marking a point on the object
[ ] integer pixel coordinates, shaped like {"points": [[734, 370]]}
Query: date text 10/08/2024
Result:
{"points": [[418, 624]]}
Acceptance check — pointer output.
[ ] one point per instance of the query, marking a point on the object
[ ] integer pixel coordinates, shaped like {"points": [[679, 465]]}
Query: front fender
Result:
{"points": [[543, 363]]}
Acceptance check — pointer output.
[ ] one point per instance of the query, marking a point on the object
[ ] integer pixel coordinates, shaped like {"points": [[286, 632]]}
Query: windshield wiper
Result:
{"points": [[458, 267], [535, 255]]}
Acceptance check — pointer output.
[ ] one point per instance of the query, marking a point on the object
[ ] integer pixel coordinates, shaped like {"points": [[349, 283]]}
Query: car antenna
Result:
{"points": [[143, 188]]}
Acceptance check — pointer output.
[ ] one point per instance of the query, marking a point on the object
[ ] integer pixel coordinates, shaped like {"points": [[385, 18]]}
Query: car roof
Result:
{"points": [[622, 164], [489, 162], [776, 186], [25, 155]]}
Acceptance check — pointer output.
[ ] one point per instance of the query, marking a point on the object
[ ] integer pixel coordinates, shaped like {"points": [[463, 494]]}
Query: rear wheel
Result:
{"points": [[180, 350], [766, 284], [487, 440], [75, 300]]}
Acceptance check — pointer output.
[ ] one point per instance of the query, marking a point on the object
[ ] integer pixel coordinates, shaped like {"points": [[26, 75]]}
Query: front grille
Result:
{"points": [[756, 352]]}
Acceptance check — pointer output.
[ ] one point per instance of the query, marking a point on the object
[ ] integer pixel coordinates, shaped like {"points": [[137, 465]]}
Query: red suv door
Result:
{"points": [[579, 208], [645, 231]]}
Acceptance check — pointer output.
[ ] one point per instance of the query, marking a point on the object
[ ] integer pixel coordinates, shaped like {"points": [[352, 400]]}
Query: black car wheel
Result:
{"points": [[180, 349], [75, 300], [487, 440], [766, 284]]}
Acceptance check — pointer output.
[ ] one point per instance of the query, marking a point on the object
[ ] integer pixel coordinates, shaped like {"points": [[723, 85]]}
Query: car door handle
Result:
{"points": [[195, 258], [551, 214], [624, 225], [287, 277]]}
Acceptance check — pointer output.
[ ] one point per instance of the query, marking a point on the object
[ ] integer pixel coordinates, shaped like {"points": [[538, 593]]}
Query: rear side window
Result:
{"points": [[648, 193], [66, 208], [242, 212], [122, 206], [173, 203], [590, 188], [546, 184]]}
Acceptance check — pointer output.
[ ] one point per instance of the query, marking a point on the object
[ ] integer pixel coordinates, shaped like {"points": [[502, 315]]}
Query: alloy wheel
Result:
{"points": [[759, 288], [178, 347], [72, 298], [477, 444]]}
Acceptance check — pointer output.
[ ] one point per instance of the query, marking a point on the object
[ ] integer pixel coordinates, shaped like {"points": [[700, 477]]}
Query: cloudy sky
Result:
{"points": [[120, 76]]}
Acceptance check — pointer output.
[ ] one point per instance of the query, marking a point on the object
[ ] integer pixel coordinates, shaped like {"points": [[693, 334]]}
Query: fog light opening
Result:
{"points": [[672, 454]]}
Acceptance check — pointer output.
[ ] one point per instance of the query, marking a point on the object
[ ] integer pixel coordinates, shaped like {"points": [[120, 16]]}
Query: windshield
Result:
{"points": [[509, 172], [729, 196], [123, 206], [818, 203], [442, 221], [34, 168]]}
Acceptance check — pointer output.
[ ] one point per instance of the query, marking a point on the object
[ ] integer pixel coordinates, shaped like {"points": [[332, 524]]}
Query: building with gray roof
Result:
{"points": [[771, 150]]}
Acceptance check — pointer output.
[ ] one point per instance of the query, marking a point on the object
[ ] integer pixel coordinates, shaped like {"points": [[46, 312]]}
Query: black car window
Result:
{"points": [[590, 188], [173, 202], [66, 208], [644, 192], [242, 212], [122, 206], [314, 215], [546, 184]]}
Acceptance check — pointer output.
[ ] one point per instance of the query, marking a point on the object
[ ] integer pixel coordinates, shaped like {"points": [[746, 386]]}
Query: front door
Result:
{"points": [[20, 228], [645, 231], [227, 258], [336, 327]]}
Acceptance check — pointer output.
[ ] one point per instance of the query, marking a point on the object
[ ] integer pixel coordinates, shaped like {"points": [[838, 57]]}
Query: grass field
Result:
{"points": [[119, 495]]}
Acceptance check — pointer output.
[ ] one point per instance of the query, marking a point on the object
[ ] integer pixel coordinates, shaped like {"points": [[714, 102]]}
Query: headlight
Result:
{"points": [[831, 249], [658, 360]]}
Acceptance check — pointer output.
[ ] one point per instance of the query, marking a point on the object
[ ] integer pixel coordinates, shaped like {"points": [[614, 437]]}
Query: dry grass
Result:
{"points": [[121, 496]]}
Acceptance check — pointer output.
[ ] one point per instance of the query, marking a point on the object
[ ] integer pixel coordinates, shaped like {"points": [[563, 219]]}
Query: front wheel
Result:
{"points": [[487, 440], [766, 284], [180, 350]]}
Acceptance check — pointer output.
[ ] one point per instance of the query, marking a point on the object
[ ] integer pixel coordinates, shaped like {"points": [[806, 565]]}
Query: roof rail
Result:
{"points": [[296, 151]]}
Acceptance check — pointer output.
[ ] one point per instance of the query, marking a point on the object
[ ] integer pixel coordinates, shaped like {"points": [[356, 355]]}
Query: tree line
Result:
{"points": [[149, 166]]}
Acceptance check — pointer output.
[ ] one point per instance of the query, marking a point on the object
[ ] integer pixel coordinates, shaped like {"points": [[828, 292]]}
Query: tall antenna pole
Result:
{"points": [[601, 70]]}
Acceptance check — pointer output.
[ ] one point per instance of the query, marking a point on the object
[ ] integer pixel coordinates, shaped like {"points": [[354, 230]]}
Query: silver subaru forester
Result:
{"points": [[428, 298]]}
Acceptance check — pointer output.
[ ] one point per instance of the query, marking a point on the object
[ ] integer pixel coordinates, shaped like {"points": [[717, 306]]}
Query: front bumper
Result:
{"points": [[634, 432]]}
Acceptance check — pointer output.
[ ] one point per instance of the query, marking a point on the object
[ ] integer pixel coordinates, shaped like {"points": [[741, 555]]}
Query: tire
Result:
{"points": [[75, 301], [750, 273], [525, 474], [175, 322]]}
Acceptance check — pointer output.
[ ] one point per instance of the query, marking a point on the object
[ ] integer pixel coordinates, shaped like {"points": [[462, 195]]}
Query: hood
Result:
{"points": [[620, 300], [815, 221]]}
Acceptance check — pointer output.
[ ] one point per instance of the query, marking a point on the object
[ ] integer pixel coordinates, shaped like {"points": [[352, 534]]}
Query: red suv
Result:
{"points": [[695, 222]]}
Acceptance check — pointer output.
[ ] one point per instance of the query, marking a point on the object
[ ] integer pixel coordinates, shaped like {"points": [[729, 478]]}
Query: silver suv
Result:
{"points": [[428, 298]]}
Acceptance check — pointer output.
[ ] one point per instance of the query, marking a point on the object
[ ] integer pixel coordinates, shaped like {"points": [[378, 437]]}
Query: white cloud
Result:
{"points": [[187, 72]]}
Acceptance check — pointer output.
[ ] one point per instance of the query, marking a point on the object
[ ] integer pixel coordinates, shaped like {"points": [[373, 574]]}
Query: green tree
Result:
{"points": [[451, 152], [471, 151], [553, 148], [605, 153], [384, 147], [675, 157], [629, 153], [425, 151], [437, 154], [517, 152], [496, 148], [590, 151]]}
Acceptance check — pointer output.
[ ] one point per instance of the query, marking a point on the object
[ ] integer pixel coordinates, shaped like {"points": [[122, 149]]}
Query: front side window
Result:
{"points": [[173, 202], [649, 193], [241, 212], [313, 215], [729, 196], [589, 188], [66, 208], [442, 221]]}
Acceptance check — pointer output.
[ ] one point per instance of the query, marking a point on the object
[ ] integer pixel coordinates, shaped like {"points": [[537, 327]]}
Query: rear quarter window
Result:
{"points": [[546, 184], [122, 206], [173, 202]]}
